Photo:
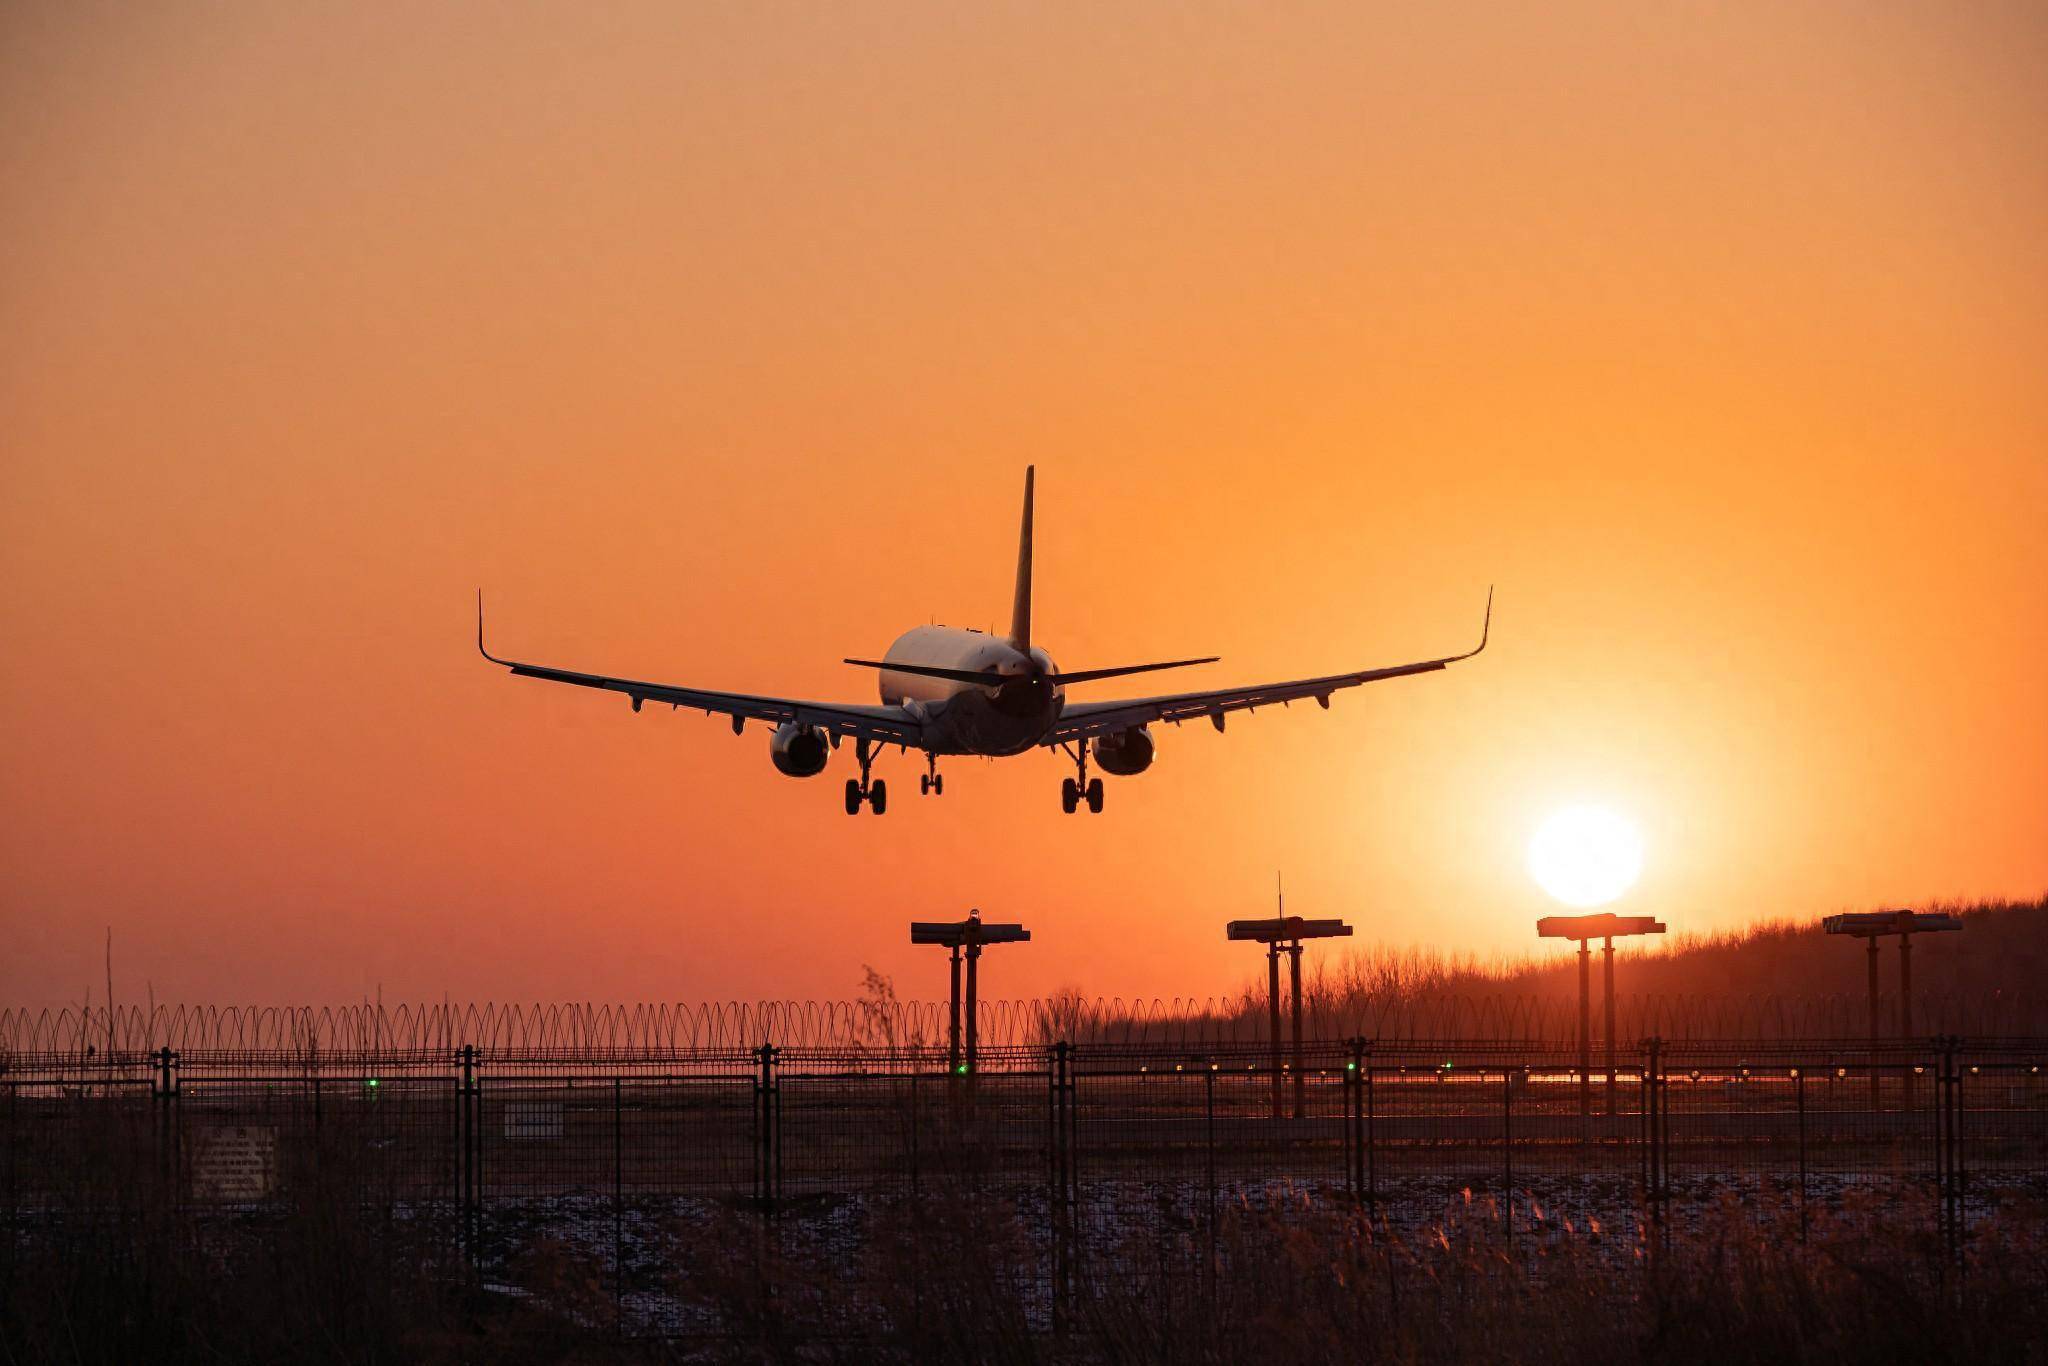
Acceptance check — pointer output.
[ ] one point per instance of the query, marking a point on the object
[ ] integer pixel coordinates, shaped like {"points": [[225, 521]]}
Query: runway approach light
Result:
{"points": [[1586, 928], [965, 938], [1867, 926], [1283, 933], [1597, 926]]}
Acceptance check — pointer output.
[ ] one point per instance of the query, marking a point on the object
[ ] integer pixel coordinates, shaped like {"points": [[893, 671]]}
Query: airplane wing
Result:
{"points": [[884, 725], [1085, 719]]}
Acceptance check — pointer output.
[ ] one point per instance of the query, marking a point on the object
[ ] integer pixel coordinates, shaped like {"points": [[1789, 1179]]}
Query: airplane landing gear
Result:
{"points": [[930, 784], [858, 790], [1081, 787]]}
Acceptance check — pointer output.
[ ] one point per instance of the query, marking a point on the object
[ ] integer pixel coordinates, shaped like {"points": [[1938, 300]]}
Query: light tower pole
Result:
{"points": [[1868, 926], [965, 938], [1283, 934], [1585, 929]]}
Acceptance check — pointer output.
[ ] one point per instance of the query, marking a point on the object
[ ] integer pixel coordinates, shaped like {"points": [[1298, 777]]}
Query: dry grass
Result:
{"points": [[332, 1277]]}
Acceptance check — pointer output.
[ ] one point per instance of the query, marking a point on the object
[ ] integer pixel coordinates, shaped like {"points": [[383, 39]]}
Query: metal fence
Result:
{"points": [[1096, 1147]]}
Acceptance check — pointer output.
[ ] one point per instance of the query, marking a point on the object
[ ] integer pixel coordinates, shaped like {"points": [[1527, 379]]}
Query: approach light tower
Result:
{"points": [[1284, 933], [1868, 926], [1586, 928], [968, 935]]}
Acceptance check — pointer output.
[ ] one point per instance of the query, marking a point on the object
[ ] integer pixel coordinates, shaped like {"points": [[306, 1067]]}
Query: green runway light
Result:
{"points": [[371, 1083], [962, 1069], [1350, 1067]]}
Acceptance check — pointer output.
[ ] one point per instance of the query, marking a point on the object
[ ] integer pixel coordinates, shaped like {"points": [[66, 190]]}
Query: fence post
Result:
{"points": [[468, 1145], [768, 1127], [1961, 1150], [164, 1083], [1349, 1076], [916, 1172], [1372, 1170], [1948, 1145], [618, 1204], [1062, 1195], [1799, 1094], [1658, 1101], [1941, 1139], [1643, 1106], [1354, 1122], [1209, 1161], [1507, 1141], [11, 1147], [313, 1082], [917, 1212]]}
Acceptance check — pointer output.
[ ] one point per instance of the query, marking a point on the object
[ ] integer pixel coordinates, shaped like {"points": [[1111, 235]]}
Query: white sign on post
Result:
{"points": [[234, 1162]]}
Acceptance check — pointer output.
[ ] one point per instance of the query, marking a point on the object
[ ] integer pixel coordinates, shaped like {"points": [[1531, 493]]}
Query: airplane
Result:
{"points": [[948, 690]]}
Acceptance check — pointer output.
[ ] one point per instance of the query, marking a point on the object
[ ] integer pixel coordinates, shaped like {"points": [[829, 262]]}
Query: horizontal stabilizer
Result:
{"points": [[987, 678], [1090, 675]]}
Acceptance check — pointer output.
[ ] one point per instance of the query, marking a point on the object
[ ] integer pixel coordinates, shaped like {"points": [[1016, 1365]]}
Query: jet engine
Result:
{"points": [[1124, 752], [798, 750]]}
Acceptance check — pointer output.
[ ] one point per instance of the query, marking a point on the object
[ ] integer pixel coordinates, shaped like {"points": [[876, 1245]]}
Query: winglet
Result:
{"points": [[480, 632], [1485, 627]]}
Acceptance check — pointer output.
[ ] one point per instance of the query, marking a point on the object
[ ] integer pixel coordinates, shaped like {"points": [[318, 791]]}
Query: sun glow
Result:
{"points": [[1586, 855]]}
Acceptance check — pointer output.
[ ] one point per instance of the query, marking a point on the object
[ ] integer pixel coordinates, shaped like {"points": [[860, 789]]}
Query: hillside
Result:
{"points": [[1777, 977]]}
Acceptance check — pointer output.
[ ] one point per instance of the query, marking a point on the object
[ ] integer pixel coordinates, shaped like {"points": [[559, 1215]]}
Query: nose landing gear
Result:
{"points": [[858, 790], [1080, 788], [930, 784]]}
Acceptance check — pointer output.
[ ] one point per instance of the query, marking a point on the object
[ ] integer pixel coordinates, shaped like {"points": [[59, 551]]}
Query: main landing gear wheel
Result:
{"points": [[875, 793], [930, 783], [1080, 788]]}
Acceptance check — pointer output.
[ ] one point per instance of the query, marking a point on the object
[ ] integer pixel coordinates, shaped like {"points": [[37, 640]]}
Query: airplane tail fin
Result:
{"points": [[1020, 613]]}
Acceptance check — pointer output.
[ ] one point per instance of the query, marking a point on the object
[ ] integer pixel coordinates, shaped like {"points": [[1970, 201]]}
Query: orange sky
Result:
{"points": [[713, 340]]}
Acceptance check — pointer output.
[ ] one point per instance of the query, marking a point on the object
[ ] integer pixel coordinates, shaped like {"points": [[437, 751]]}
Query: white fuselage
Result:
{"points": [[971, 718]]}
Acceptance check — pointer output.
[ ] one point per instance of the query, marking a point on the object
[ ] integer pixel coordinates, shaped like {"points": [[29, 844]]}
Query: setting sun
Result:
{"points": [[1586, 855]]}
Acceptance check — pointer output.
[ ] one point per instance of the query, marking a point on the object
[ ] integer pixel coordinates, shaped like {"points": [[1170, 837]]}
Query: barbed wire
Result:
{"points": [[594, 1030]]}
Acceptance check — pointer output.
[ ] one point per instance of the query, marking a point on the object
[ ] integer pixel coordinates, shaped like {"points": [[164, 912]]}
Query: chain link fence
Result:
{"points": [[656, 1173]]}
